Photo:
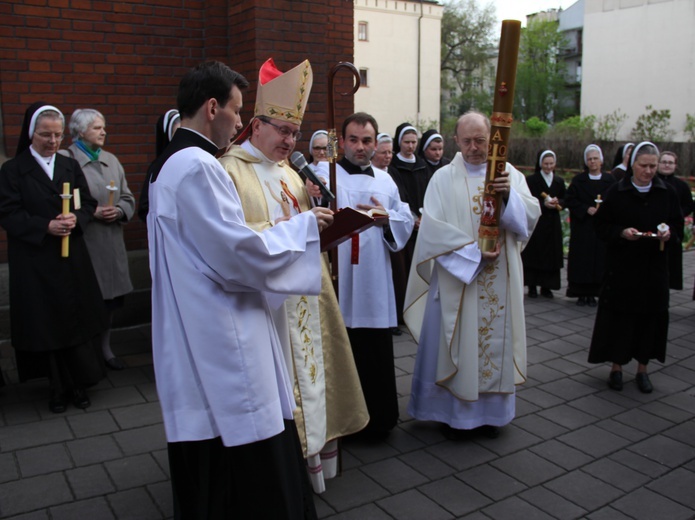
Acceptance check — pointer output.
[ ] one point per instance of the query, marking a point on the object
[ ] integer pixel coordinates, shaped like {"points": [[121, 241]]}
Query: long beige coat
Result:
{"points": [[105, 240]]}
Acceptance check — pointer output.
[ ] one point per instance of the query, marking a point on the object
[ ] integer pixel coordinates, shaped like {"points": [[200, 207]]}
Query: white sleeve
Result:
{"points": [[513, 216], [464, 263]]}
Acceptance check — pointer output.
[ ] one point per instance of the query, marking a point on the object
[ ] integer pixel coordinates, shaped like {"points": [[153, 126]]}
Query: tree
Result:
{"points": [[467, 45], [607, 126], [540, 77], [653, 126], [690, 127]]}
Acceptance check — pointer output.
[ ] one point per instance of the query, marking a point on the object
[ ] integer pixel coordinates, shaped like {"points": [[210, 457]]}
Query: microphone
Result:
{"points": [[299, 161]]}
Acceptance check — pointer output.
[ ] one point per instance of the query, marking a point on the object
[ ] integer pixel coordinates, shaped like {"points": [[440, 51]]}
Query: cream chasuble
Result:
{"points": [[482, 335], [330, 403]]}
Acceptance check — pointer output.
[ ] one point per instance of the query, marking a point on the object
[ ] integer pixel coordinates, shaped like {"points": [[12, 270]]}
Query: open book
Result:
{"points": [[348, 222]]}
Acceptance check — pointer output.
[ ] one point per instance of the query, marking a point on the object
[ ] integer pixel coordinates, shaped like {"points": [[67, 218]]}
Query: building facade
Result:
{"points": [[397, 50], [638, 53]]}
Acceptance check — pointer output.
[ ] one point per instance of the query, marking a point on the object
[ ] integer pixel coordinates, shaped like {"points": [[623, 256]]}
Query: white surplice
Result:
{"points": [[218, 359], [467, 314]]}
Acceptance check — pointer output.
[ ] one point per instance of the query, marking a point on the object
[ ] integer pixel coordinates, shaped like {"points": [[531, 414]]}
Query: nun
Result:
{"points": [[55, 303], [542, 256], [431, 149], [621, 160], [586, 258]]}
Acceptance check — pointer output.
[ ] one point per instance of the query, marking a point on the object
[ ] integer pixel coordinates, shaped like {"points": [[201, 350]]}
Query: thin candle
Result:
{"points": [[65, 243]]}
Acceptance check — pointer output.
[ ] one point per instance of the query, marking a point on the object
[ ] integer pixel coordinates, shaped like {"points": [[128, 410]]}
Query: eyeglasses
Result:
{"points": [[667, 162], [320, 148], [48, 135], [284, 131]]}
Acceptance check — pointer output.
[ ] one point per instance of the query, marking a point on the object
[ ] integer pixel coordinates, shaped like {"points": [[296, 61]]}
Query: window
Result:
{"points": [[364, 78], [362, 31]]}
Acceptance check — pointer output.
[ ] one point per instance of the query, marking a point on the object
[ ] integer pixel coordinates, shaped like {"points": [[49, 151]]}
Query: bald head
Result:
{"points": [[472, 135]]}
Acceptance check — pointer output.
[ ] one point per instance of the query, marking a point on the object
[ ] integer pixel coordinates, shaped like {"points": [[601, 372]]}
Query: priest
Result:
{"points": [[222, 379], [329, 398], [465, 307]]}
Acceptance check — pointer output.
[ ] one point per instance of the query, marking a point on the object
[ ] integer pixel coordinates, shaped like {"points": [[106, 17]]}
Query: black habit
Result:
{"points": [[675, 245], [632, 317], [542, 256], [586, 258], [55, 303]]}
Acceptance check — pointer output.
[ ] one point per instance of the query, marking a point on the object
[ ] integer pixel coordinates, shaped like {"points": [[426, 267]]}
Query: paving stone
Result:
{"points": [[678, 485], [461, 455], [148, 392], [664, 450], [584, 490], [567, 416], [8, 468], [594, 441], [134, 504], [552, 503], [128, 377], [92, 450], [19, 413], [622, 430], [616, 474], [455, 496], [413, 505], [36, 515], [42, 460], [680, 372], [115, 397], [403, 384], [92, 423], [138, 415], [427, 464], [684, 433], [639, 463], [163, 497], [608, 513], [491, 482], [366, 451], [540, 426], [351, 490], [642, 420], [538, 355], [543, 374], [565, 366], [403, 442], [539, 398], [596, 406], [681, 400], [141, 440], [366, 512], [514, 508], [394, 475], [162, 458], [523, 407], [21, 496], [564, 456], [28, 435], [568, 389], [561, 347], [130, 472], [644, 504], [527, 467], [90, 481], [94, 508], [511, 439]]}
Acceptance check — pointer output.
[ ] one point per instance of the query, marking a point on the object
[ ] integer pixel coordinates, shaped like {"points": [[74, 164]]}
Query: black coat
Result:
{"points": [[544, 249], [55, 302], [411, 179], [586, 258]]}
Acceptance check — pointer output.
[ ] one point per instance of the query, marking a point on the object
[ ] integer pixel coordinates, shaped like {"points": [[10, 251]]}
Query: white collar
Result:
{"points": [[47, 163]]}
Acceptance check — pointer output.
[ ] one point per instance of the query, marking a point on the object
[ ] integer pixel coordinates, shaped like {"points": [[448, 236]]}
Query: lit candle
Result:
{"points": [[663, 227], [112, 191]]}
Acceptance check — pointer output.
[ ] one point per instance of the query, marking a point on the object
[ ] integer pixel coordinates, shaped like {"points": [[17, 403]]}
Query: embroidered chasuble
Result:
{"points": [[467, 314], [329, 398]]}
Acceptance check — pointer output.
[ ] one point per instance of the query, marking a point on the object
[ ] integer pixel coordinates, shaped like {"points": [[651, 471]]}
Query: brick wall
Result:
{"points": [[126, 58]]}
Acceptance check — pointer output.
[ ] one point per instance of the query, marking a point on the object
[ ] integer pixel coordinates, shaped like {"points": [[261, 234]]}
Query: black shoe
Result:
{"points": [[643, 383], [532, 292], [591, 301], [57, 403], [546, 293], [615, 380], [581, 301], [454, 434], [395, 331], [491, 432], [80, 398], [115, 363]]}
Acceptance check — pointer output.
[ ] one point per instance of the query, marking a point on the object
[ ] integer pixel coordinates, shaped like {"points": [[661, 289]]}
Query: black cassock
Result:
{"points": [[632, 316], [55, 302], [542, 256], [675, 245], [586, 258]]}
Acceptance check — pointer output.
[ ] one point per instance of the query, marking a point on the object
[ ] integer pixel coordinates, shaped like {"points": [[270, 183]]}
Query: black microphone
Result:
{"points": [[300, 162]]}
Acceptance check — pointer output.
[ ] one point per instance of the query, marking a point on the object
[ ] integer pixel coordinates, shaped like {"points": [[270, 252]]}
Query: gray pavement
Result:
{"points": [[575, 450]]}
